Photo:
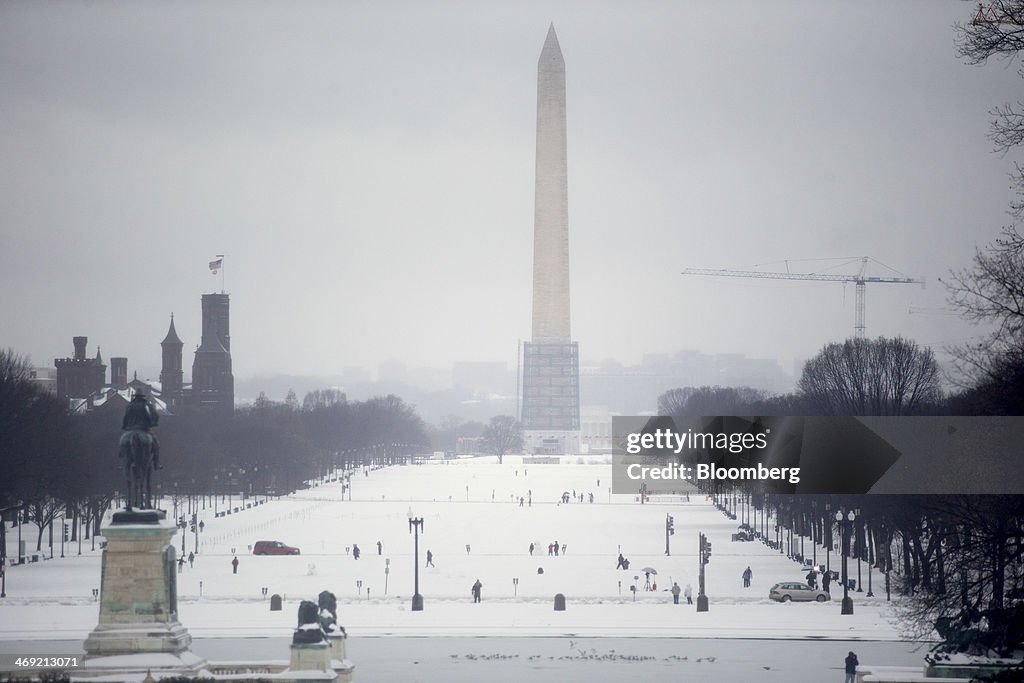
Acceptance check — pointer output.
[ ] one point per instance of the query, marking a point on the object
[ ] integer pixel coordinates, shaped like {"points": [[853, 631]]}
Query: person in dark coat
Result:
{"points": [[812, 579], [747, 575], [355, 551], [234, 565], [191, 560], [851, 667], [380, 548], [531, 549], [621, 563], [430, 559], [476, 590], [676, 590], [826, 579]]}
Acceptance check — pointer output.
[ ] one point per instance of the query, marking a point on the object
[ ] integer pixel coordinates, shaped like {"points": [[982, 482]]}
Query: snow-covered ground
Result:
{"points": [[605, 634], [470, 502]]}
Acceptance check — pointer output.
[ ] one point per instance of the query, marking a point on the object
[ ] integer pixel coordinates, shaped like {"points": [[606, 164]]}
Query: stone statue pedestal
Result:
{"points": [[339, 658], [310, 657], [139, 599], [337, 643]]}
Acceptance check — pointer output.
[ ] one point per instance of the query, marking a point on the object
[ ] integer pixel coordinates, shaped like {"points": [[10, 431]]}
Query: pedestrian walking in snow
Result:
{"points": [[467, 549], [521, 501], [531, 549], [563, 549], [556, 548], [191, 560], [476, 590], [826, 579], [747, 575], [688, 593], [812, 579], [234, 565], [676, 590], [355, 551], [380, 548], [621, 563], [851, 667], [430, 559], [181, 563], [551, 550]]}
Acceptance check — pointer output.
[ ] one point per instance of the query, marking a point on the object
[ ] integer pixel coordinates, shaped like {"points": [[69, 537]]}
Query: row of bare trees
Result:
{"points": [[956, 561], [57, 466], [856, 377]]}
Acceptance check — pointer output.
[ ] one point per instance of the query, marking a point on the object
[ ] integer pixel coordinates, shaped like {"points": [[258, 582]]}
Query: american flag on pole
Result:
{"points": [[215, 265]]}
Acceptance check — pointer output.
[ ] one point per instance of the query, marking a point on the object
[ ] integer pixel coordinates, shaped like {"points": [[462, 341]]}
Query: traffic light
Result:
{"points": [[707, 550], [65, 531], [670, 524]]}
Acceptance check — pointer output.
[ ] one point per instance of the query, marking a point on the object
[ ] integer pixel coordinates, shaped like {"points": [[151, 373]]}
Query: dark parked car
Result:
{"points": [[273, 548], [797, 592]]}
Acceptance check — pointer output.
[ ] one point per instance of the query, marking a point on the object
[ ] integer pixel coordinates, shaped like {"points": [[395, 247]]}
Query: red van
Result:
{"points": [[273, 548]]}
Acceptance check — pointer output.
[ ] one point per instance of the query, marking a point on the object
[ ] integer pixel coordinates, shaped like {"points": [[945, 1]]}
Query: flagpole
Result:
{"points": [[221, 256]]}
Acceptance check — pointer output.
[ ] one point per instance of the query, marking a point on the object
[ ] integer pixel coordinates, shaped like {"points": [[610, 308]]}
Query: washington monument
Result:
{"points": [[551, 400]]}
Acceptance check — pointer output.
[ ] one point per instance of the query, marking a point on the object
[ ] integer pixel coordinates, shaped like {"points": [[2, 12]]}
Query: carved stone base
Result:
{"points": [[337, 643], [139, 596], [114, 639], [135, 666], [310, 657]]}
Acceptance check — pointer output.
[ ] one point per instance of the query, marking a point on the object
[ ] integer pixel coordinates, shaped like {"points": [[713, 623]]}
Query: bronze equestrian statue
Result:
{"points": [[140, 450]]}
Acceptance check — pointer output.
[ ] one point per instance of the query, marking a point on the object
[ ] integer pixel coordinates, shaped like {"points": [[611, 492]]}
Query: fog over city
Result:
{"points": [[367, 169]]}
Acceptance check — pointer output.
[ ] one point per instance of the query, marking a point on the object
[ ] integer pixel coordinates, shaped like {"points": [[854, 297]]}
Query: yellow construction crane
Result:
{"points": [[860, 279]]}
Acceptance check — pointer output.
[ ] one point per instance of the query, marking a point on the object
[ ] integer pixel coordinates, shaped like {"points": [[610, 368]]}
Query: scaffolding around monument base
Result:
{"points": [[551, 396]]}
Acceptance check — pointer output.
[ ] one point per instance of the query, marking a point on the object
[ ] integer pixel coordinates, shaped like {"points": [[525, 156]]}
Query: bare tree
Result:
{"points": [[697, 401], [872, 377], [673, 401], [503, 435], [997, 30], [991, 292]]}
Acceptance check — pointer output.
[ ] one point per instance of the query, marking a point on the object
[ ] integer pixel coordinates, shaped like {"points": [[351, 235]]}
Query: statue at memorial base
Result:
{"points": [[139, 449]]}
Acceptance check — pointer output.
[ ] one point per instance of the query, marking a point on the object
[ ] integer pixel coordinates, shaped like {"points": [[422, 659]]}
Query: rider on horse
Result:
{"points": [[140, 415]]}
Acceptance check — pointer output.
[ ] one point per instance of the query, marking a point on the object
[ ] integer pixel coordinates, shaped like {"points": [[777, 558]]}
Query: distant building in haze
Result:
{"points": [[213, 384], [78, 376]]}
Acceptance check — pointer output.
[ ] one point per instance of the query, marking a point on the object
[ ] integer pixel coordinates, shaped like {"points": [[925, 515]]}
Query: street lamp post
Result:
{"points": [[415, 525], [860, 551], [828, 544], [845, 522]]}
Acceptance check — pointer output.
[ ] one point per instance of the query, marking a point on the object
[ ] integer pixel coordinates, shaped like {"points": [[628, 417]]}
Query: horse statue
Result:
{"points": [[140, 451]]}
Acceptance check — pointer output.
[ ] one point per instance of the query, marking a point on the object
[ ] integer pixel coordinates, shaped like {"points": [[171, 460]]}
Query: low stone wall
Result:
{"points": [[867, 673]]}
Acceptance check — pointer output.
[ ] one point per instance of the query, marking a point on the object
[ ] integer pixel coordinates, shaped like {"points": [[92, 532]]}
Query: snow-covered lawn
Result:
{"points": [[466, 502]]}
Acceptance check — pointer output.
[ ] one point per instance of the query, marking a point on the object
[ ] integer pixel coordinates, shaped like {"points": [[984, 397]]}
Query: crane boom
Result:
{"points": [[800, 276], [860, 280]]}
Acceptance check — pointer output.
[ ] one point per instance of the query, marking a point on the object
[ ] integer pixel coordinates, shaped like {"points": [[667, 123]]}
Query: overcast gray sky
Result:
{"points": [[367, 168]]}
